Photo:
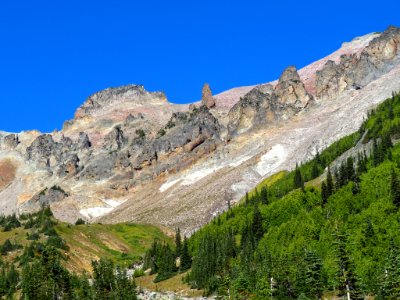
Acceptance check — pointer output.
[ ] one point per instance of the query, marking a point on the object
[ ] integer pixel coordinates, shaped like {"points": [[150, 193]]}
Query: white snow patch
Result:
{"points": [[239, 161], [168, 184], [94, 212], [112, 203], [98, 211], [199, 174], [195, 174], [271, 160]]}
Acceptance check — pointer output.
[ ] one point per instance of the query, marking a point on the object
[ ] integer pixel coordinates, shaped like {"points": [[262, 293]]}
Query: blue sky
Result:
{"points": [[54, 54]]}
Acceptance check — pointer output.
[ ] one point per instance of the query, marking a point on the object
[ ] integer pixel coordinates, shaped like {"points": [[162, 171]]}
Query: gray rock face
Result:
{"points": [[115, 140], [353, 72], [100, 167], [196, 131], [41, 150], [83, 141], [69, 167], [265, 104], [11, 141], [61, 156], [44, 197]]}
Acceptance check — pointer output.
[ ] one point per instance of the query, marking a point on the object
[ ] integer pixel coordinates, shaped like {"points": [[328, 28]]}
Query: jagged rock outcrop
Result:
{"points": [[265, 104], [100, 167], [69, 167], [11, 141], [196, 131], [132, 92], [46, 196], [354, 72], [131, 118], [290, 91], [41, 150], [252, 109], [206, 96], [83, 141], [115, 140]]}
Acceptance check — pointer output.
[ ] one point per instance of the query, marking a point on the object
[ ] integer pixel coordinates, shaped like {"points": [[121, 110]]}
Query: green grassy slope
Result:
{"points": [[122, 243]]}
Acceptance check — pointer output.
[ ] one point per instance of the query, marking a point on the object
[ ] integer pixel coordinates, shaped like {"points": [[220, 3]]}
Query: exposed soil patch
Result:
{"points": [[7, 173]]}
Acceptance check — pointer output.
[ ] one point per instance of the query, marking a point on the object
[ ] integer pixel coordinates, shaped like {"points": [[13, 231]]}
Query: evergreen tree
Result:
{"points": [[390, 113], [178, 242], [315, 171], [324, 193], [395, 188], [125, 288], [389, 287], [377, 156], [346, 276], [257, 223], [369, 230], [350, 169], [46, 278], [298, 179], [318, 158], [343, 176], [264, 195], [313, 284], [361, 163], [104, 279], [186, 260], [329, 183], [12, 280]]}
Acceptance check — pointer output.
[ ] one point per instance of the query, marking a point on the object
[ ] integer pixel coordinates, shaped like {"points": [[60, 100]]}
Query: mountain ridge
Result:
{"points": [[130, 155]]}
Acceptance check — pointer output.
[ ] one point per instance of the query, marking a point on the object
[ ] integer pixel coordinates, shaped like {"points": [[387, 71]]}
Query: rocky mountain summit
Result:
{"points": [[130, 155]]}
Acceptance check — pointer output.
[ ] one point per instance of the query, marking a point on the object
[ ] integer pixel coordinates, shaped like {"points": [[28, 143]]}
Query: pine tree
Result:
{"points": [[324, 193], [104, 278], [329, 183], [390, 113], [298, 179], [312, 278], [257, 223], [256, 197], [318, 158], [343, 176], [348, 285], [178, 242], [12, 280], [264, 195], [125, 288], [314, 171], [350, 169], [377, 156], [389, 281], [361, 163], [395, 188], [186, 260]]}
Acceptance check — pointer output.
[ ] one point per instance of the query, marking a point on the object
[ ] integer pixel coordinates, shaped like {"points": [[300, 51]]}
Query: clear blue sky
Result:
{"points": [[54, 54]]}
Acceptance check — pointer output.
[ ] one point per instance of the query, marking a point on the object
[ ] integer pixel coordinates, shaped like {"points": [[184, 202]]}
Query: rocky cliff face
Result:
{"points": [[130, 155], [266, 104], [355, 71]]}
